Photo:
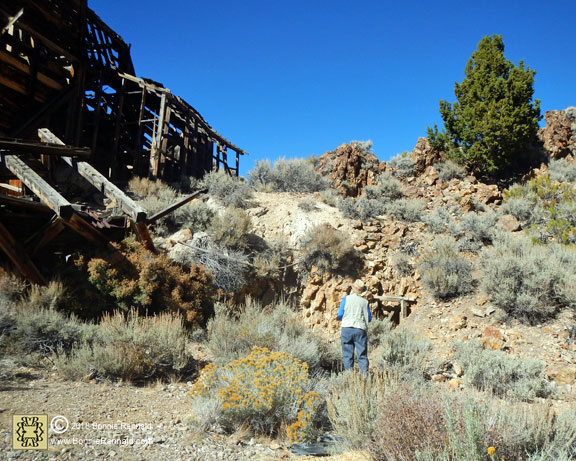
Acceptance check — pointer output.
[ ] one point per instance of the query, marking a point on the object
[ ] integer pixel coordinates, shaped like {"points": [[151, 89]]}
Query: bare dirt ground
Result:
{"points": [[124, 422]]}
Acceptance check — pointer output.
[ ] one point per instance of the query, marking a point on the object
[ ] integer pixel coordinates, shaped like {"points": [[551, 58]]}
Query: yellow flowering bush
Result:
{"points": [[265, 390]]}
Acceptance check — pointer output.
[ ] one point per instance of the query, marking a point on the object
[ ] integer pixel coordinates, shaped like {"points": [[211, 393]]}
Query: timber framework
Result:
{"points": [[74, 117], [63, 68]]}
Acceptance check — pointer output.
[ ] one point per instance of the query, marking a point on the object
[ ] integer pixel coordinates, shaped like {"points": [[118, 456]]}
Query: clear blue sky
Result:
{"points": [[296, 78]]}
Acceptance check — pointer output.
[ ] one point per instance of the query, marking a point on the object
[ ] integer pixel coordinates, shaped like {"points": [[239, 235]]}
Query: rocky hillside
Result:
{"points": [[393, 248]]}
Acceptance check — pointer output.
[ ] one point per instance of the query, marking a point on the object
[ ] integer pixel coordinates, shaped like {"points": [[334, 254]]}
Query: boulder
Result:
{"points": [[424, 155], [559, 135], [509, 223], [350, 169]]}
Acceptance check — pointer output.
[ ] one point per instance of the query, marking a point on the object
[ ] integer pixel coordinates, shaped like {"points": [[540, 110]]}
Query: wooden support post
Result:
{"points": [[36, 184], [139, 143], [17, 254], [97, 112], [113, 156], [157, 139], [99, 181], [403, 303], [144, 233]]}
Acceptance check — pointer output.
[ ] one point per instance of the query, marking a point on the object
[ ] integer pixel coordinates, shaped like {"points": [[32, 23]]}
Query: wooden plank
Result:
{"points": [[19, 257], [36, 184], [395, 298], [25, 204], [99, 181], [24, 67], [20, 146], [12, 20], [174, 206]]}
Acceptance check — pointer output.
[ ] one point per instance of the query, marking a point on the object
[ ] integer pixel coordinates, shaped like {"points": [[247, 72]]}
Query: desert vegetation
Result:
{"points": [[244, 315]]}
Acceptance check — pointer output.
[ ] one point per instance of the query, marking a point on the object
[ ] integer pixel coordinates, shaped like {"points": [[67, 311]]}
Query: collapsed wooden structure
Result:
{"points": [[68, 79]]}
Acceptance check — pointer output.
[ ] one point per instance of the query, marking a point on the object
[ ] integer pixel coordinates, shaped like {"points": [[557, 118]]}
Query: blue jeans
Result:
{"points": [[354, 338]]}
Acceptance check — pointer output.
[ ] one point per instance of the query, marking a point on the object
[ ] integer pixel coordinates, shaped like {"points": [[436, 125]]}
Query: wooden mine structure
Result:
{"points": [[69, 99]]}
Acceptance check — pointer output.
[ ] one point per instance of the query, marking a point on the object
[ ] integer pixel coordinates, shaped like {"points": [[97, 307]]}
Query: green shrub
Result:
{"points": [[409, 210], [361, 208], [444, 270], [545, 207], [353, 404], [232, 191], [402, 164], [308, 204], [196, 216], [529, 282], [132, 277], [330, 251], [439, 221], [294, 175], [448, 170], [502, 374], [48, 331], [329, 197], [364, 147], [401, 351], [562, 170], [131, 348], [493, 123], [265, 391], [387, 188], [276, 327], [411, 421], [230, 229], [12, 289], [402, 264], [476, 230]]}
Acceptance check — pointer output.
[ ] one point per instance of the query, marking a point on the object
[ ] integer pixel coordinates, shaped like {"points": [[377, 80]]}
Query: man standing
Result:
{"points": [[355, 315]]}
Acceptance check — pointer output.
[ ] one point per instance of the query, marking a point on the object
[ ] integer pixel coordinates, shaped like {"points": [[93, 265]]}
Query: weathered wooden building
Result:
{"points": [[63, 68], [67, 76]]}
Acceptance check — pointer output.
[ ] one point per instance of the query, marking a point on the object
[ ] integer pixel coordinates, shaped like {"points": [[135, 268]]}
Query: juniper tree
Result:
{"points": [[493, 123]]}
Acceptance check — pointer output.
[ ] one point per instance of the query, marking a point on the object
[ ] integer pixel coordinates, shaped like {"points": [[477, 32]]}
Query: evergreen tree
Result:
{"points": [[492, 125]]}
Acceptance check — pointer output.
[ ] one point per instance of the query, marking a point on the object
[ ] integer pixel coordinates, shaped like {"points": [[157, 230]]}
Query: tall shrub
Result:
{"points": [[492, 124]]}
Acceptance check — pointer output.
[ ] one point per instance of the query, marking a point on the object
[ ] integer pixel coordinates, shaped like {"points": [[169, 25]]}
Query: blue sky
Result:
{"points": [[296, 78]]}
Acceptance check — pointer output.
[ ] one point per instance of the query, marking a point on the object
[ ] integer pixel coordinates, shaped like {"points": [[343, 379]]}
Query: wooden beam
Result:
{"points": [[19, 257], [144, 233], [156, 151], [24, 67], [36, 184], [20, 146], [174, 206], [12, 20], [26, 204], [99, 181]]}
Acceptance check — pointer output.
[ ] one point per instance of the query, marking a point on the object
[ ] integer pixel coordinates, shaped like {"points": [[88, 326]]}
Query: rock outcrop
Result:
{"points": [[350, 169], [424, 155], [559, 135]]}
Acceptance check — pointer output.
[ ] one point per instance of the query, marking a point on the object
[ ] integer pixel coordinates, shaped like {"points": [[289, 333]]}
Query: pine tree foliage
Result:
{"points": [[491, 126]]}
